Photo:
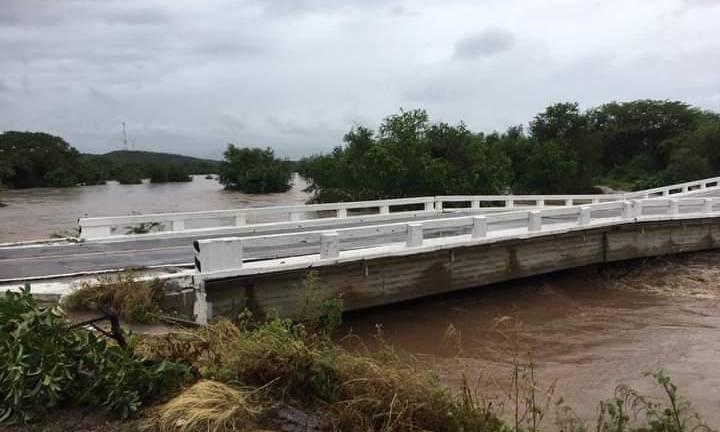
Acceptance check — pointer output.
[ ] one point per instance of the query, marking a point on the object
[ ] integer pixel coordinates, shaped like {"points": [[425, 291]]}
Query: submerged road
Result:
{"points": [[61, 259]]}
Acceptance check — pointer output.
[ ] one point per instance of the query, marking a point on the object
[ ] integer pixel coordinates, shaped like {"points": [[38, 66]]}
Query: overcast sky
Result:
{"points": [[190, 76]]}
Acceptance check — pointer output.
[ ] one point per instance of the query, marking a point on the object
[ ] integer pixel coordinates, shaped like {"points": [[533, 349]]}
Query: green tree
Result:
{"points": [[35, 159], [254, 170]]}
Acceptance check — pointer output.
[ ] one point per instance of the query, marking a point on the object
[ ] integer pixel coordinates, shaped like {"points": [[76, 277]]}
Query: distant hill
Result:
{"points": [[145, 158]]}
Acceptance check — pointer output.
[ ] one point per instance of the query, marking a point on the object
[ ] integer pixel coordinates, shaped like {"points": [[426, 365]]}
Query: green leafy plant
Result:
{"points": [[44, 362]]}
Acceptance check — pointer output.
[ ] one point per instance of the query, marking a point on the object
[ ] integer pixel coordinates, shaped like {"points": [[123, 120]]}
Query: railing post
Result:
{"points": [[429, 206], [177, 225], [534, 220], [707, 206], [674, 207], [294, 216], [414, 234], [637, 208], [341, 213], [240, 219], [585, 216], [509, 203], [568, 202], [627, 210], [685, 188], [438, 204], [479, 229], [329, 245], [595, 200], [217, 255], [702, 185], [384, 209], [475, 204], [540, 203]]}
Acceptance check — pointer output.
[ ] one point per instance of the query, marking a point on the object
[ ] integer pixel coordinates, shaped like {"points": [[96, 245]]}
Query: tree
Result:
{"points": [[35, 159], [254, 170], [408, 156]]}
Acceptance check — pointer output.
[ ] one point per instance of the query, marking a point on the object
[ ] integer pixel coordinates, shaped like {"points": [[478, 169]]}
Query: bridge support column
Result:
{"points": [[534, 220], [414, 235], [202, 309], [329, 245], [479, 229]]}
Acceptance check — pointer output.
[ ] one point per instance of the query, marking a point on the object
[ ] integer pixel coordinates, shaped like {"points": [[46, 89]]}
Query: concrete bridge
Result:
{"points": [[378, 252]]}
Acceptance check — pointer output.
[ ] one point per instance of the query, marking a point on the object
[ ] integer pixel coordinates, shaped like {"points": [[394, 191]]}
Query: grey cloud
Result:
{"points": [[483, 44], [701, 3], [191, 76]]}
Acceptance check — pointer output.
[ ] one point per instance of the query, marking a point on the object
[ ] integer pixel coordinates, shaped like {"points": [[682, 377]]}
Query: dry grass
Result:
{"points": [[207, 406], [354, 391], [135, 301]]}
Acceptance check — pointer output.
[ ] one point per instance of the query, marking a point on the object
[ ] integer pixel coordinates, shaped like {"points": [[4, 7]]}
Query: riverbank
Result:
{"points": [[573, 337]]}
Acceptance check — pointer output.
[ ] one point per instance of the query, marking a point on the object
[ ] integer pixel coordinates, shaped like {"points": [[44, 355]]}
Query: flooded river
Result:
{"points": [[586, 330], [587, 333], [37, 213]]}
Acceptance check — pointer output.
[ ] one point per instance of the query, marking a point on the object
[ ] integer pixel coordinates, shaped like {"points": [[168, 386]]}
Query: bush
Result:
{"points": [[254, 171], [44, 362]]}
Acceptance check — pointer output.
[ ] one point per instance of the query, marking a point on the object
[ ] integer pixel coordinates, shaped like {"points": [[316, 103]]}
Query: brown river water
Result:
{"points": [[587, 330], [37, 213]]}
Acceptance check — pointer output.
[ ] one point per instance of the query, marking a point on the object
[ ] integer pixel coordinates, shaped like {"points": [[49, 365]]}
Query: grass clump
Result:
{"points": [[207, 406], [134, 301], [44, 363], [354, 391]]}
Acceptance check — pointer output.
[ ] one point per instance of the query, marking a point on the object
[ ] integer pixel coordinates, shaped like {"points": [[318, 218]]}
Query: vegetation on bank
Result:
{"points": [[47, 364], [254, 170], [34, 159], [275, 374], [133, 300], [625, 145]]}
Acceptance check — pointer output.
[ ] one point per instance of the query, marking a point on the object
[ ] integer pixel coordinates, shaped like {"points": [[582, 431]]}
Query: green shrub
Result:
{"points": [[45, 362]]}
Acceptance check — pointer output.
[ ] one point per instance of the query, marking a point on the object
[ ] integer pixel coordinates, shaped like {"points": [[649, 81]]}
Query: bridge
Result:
{"points": [[376, 252]]}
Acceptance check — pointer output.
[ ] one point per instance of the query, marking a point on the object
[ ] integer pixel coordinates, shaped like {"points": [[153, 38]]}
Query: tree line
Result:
{"points": [[623, 145], [36, 159]]}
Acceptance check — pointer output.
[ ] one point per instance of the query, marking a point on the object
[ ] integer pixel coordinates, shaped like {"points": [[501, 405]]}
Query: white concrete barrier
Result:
{"points": [[223, 257], [326, 214]]}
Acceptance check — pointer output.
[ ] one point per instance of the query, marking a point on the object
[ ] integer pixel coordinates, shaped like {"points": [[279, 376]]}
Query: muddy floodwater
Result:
{"points": [[586, 330], [32, 214]]}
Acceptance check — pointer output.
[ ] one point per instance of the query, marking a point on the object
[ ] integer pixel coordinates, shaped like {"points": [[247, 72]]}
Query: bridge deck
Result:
{"points": [[39, 261]]}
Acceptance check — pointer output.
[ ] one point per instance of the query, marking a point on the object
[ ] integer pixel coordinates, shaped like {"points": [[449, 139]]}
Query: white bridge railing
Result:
{"points": [[226, 257], [317, 215]]}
